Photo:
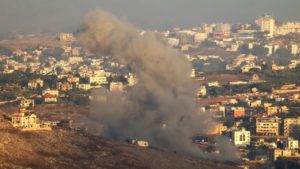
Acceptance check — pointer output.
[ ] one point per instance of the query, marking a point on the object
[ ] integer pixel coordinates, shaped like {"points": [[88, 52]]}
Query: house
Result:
{"points": [[49, 98], [213, 84], [84, 86], [202, 91], [98, 80], [64, 86], [33, 84], [23, 120], [26, 105], [235, 112], [52, 92], [29, 122], [272, 110], [73, 79]]}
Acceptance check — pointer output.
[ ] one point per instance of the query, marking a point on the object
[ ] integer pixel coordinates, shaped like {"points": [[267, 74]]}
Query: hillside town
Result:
{"points": [[247, 78]]}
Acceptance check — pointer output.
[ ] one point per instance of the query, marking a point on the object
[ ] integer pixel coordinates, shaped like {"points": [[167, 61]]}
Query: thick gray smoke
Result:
{"points": [[161, 107]]}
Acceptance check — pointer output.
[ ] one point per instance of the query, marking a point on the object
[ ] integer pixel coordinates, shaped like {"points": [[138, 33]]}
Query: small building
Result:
{"points": [[272, 110], [287, 153], [140, 143], [98, 80], [84, 87], [49, 98], [73, 79], [33, 84], [116, 86], [29, 122], [52, 92], [235, 112], [202, 91], [255, 77], [26, 105], [291, 143], [64, 86]]}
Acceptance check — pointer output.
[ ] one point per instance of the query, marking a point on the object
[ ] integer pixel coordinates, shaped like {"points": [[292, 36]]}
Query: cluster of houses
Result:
{"points": [[261, 122]]}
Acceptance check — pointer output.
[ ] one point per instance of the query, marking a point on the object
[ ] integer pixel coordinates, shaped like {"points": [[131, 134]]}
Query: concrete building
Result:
{"points": [[235, 112], [98, 80], [266, 24], [202, 91], [294, 49], [292, 127], [290, 143], [287, 27], [268, 126], [27, 122], [116, 86], [241, 137], [287, 153], [33, 84], [272, 110], [84, 87]]}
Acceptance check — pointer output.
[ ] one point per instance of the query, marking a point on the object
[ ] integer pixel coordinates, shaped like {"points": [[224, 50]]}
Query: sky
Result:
{"points": [[66, 15]]}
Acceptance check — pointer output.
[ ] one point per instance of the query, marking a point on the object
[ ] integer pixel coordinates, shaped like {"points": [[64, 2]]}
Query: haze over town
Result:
{"points": [[121, 84]]}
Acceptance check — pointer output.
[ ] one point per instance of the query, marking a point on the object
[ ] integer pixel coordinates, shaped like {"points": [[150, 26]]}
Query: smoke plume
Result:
{"points": [[160, 108]]}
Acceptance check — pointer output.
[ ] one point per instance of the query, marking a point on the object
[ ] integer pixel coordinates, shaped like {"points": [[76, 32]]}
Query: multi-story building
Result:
{"points": [[287, 153], [27, 122], [97, 80], [291, 143], [292, 127], [288, 27], [268, 126], [235, 112], [241, 137], [266, 24], [202, 91]]}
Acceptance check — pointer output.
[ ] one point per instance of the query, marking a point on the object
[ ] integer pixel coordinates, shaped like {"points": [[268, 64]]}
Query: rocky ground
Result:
{"points": [[60, 149]]}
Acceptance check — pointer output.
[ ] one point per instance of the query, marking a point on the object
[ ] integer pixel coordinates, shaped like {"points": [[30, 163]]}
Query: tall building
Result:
{"points": [[223, 28], [268, 126], [241, 137], [292, 127], [266, 24]]}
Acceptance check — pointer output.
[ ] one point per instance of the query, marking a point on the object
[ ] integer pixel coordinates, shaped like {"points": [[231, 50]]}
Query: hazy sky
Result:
{"points": [[59, 15]]}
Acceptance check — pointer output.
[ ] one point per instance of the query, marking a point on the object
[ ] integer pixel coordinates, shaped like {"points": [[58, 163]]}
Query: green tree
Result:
{"points": [[244, 49], [259, 50]]}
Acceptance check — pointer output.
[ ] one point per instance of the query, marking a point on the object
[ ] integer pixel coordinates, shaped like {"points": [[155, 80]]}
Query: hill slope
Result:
{"points": [[61, 149]]}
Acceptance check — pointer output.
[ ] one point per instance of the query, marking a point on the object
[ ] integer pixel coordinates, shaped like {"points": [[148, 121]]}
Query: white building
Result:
{"points": [[202, 91], [97, 80], [241, 137], [266, 24], [290, 143]]}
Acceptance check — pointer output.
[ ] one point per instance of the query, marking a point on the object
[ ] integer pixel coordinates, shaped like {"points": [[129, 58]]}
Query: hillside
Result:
{"points": [[70, 149]]}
